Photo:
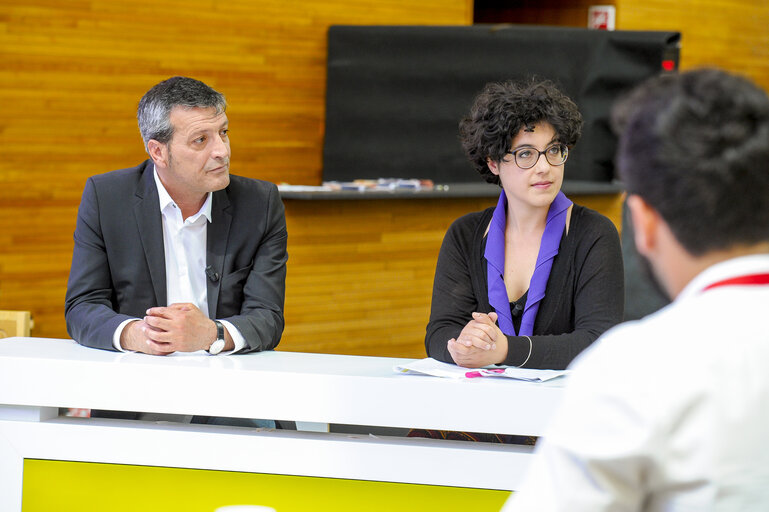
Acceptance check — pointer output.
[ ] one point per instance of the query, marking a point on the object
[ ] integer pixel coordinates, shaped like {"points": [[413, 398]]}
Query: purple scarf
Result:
{"points": [[495, 256]]}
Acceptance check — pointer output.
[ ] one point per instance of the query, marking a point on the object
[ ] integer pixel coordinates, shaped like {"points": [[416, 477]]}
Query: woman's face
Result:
{"points": [[535, 187]]}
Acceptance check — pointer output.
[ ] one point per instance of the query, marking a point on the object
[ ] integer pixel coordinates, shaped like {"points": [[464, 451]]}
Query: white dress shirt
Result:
{"points": [[184, 242], [668, 413]]}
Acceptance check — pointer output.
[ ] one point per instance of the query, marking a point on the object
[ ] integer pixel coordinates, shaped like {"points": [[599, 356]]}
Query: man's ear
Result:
{"points": [[158, 152], [493, 166], [645, 224]]}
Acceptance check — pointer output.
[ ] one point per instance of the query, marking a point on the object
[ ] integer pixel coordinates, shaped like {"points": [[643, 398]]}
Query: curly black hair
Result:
{"points": [[502, 109], [695, 146]]}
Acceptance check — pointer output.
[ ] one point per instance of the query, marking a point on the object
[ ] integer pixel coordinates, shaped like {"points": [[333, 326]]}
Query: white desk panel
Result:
{"points": [[320, 388], [37, 376]]}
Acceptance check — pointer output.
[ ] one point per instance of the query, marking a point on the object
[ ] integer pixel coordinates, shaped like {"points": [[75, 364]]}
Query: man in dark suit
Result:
{"points": [[177, 255]]}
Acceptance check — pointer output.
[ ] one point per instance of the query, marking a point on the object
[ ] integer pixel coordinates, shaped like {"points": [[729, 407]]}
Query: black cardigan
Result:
{"points": [[584, 295]]}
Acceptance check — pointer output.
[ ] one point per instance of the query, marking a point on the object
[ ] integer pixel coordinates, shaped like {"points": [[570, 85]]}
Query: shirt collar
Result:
{"points": [[166, 200], [734, 267], [495, 257]]}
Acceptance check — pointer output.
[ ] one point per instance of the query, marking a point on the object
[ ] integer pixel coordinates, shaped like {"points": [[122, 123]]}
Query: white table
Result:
{"points": [[37, 376]]}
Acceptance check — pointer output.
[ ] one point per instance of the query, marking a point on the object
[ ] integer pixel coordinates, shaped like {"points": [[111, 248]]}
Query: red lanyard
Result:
{"points": [[741, 281]]}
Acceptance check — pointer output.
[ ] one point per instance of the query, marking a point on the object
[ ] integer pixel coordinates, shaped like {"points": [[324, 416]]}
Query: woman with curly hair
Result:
{"points": [[535, 280]]}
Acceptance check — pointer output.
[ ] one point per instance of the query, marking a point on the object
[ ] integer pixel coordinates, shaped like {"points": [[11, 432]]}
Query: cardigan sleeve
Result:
{"points": [[597, 296], [453, 298]]}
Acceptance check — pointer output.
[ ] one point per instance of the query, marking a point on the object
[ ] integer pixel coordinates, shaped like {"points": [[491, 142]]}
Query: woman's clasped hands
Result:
{"points": [[480, 343]]}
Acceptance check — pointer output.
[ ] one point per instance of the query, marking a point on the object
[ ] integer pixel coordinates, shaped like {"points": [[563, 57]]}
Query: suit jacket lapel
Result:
{"points": [[216, 241], [146, 208]]}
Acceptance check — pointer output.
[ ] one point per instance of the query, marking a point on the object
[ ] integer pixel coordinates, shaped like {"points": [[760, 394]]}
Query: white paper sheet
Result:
{"points": [[430, 366]]}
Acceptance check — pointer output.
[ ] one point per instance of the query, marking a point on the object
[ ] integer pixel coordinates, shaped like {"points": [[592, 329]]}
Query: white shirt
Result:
{"points": [[669, 413], [184, 242]]}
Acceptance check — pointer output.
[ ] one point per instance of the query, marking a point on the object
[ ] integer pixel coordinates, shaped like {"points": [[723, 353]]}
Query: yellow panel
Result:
{"points": [[84, 487]]}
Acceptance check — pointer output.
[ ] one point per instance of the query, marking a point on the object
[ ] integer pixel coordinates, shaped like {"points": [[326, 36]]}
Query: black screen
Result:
{"points": [[395, 95]]}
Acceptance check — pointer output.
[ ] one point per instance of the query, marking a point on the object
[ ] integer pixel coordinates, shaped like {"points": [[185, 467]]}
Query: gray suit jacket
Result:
{"points": [[118, 264]]}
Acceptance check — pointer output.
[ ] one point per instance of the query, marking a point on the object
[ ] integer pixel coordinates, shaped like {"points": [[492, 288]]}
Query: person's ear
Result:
{"points": [[493, 166], [158, 152], [645, 224]]}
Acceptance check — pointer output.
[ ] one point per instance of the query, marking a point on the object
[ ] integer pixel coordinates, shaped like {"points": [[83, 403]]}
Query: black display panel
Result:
{"points": [[395, 94]]}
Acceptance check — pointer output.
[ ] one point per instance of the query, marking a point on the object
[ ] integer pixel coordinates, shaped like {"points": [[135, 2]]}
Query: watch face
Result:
{"points": [[216, 347]]}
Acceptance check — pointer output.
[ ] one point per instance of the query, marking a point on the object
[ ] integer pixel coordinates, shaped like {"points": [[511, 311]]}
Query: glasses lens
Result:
{"points": [[526, 157], [557, 154]]}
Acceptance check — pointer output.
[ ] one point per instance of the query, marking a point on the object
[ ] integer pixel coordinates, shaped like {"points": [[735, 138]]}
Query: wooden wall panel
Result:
{"points": [[360, 273], [730, 34], [72, 73]]}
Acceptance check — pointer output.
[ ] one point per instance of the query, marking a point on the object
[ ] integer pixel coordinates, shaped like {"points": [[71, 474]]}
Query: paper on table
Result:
{"points": [[430, 366]]}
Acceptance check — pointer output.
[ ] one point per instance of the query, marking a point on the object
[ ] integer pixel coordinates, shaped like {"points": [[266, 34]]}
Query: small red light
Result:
{"points": [[668, 65]]}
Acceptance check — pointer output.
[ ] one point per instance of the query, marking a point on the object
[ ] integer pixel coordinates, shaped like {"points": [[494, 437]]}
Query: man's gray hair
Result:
{"points": [[155, 107]]}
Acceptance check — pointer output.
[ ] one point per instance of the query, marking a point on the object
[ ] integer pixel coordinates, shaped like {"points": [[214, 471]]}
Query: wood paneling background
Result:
{"points": [[730, 34], [360, 272], [72, 73]]}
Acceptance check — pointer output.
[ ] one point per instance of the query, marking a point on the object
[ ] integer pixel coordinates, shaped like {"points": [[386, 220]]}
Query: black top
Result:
{"points": [[583, 298], [516, 309]]}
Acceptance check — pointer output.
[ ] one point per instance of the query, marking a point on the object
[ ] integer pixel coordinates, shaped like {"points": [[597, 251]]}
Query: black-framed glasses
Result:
{"points": [[526, 158]]}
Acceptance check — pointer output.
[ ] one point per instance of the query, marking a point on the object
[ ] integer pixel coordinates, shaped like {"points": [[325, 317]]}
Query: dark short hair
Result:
{"points": [[502, 109], [155, 106], [695, 147]]}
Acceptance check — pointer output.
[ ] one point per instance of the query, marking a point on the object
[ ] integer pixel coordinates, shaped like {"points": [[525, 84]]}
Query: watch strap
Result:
{"points": [[219, 330], [218, 344]]}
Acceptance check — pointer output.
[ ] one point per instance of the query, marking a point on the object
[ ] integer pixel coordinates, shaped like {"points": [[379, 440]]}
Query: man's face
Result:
{"points": [[647, 271], [644, 221], [197, 158]]}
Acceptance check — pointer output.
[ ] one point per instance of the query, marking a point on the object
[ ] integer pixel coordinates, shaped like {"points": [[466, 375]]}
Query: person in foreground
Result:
{"points": [[537, 279], [176, 254], [669, 412]]}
